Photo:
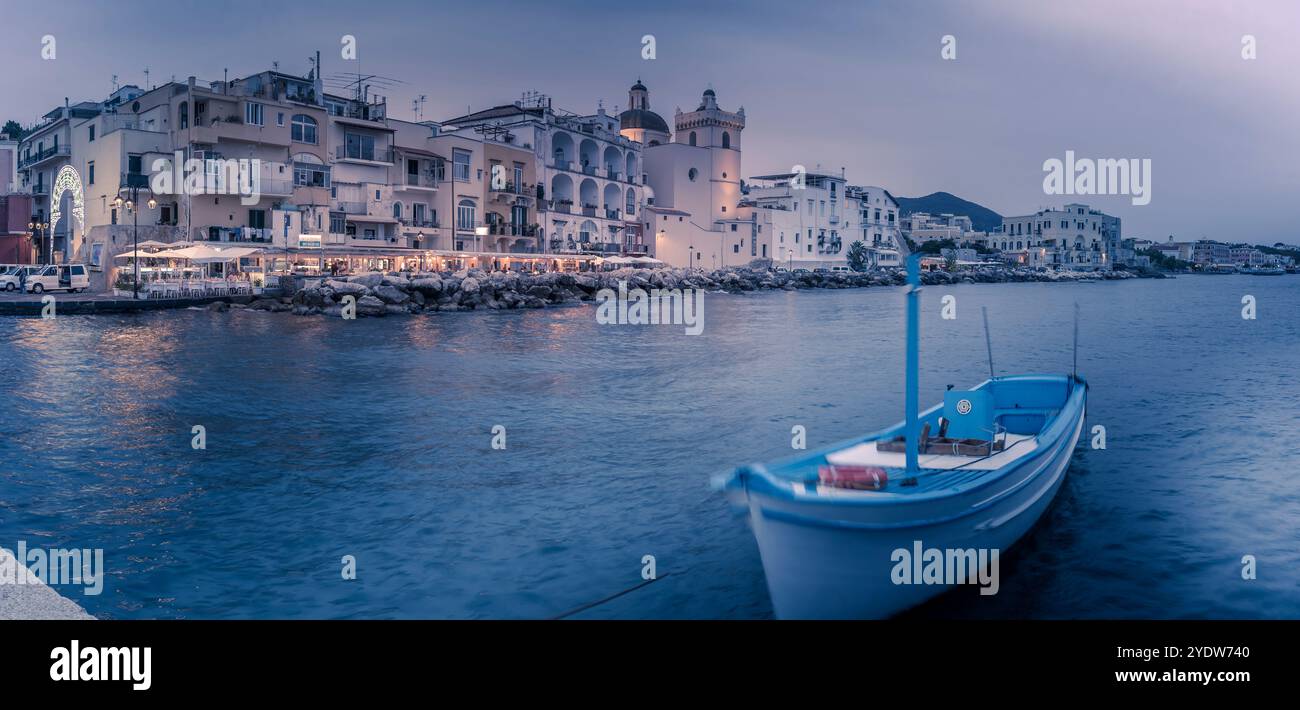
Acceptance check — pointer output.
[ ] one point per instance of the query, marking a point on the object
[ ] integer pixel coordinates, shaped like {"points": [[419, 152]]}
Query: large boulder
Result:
{"points": [[430, 286], [371, 306], [391, 294], [370, 280], [348, 288]]}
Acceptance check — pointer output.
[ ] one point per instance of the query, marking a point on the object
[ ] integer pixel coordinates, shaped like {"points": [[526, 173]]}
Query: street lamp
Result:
{"points": [[44, 229], [132, 190]]}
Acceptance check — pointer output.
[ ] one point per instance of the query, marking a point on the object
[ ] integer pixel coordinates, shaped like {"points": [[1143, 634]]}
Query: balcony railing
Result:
{"points": [[523, 189], [422, 180], [425, 223], [380, 154], [351, 207], [38, 156]]}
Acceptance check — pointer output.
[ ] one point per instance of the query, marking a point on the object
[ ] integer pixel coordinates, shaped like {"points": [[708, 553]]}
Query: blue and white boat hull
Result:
{"points": [[831, 553]]}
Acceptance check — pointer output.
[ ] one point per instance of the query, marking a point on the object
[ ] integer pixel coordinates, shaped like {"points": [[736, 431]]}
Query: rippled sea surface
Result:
{"points": [[373, 438]]}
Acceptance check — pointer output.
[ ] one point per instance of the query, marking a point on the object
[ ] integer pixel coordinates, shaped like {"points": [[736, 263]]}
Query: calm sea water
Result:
{"points": [[372, 438]]}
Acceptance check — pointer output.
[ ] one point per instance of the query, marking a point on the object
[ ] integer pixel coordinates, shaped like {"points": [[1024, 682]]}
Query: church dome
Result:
{"points": [[638, 115], [643, 119]]}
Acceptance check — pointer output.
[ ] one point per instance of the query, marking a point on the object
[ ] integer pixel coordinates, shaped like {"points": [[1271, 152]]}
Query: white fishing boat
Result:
{"points": [[835, 526]]}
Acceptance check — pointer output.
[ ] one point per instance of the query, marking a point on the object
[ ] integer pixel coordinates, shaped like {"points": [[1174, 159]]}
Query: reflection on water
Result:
{"points": [[372, 438]]}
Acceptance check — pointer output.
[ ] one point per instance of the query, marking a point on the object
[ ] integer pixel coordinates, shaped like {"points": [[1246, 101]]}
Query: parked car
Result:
{"points": [[59, 277], [821, 270], [9, 276], [840, 269], [801, 271]]}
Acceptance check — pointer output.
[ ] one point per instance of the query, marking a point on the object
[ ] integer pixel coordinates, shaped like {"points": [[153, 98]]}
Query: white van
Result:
{"points": [[56, 277], [9, 275]]}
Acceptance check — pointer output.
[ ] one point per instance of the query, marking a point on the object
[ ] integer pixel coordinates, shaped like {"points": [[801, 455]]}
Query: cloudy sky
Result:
{"points": [[859, 85]]}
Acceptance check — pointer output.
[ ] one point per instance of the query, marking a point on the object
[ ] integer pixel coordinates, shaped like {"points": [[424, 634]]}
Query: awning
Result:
{"points": [[141, 255], [204, 254]]}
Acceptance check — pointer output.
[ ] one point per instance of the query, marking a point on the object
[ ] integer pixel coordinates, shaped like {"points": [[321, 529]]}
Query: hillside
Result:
{"points": [[983, 218]]}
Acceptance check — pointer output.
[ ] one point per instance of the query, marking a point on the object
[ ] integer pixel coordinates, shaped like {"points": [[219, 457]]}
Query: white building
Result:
{"points": [[591, 175], [696, 180], [1074, 237]]}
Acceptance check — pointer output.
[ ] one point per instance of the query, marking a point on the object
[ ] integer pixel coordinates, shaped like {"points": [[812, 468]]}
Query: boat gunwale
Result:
{"points": [[759, 476], [791, 517]]}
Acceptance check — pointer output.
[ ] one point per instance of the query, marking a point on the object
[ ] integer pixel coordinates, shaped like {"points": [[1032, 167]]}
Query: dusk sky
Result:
{"points": [[859, 85]]}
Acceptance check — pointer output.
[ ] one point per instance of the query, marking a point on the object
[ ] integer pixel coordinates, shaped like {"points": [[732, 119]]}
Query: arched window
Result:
{"points": [[692, 137], [397, 210], [726, 139], [304, 129], [692, 174], [631, 201], [465, 215]]}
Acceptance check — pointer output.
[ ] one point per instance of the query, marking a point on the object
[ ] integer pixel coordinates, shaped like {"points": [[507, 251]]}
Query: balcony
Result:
{"points": [[510, 191], [420, 223], [565, 206], [503, 229], [41, 156], [380, 155], [238, 234], [422, 181], [350, 207], [233, 129]]}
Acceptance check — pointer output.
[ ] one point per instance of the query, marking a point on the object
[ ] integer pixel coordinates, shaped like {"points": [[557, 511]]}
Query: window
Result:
{"points": [[311, 175], [133, 166], [460, 171], [336, 223], [166, 214], [692, 173], [631, 202], [279, 118], [253, 114], [257, 219], [519, 179], [726, 141], [397, 210], [692, 137], [303, 129], [735, 248], [359, 147], [183, 115], [90, 168], [92, 134], [465, 215]]}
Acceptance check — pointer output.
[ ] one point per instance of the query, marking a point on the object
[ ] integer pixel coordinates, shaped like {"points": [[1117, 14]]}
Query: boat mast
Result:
{"points": [[911, 397]]}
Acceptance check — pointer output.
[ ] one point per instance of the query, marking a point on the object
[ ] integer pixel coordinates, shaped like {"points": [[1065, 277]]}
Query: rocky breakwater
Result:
{"points": [[379, 294]]}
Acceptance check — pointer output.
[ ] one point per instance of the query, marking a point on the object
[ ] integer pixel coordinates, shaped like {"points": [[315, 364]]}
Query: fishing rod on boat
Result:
{"points": [[988, 339]]}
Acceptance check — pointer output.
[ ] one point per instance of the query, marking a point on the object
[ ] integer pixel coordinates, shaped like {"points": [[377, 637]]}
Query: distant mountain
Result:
{"points": [[983, 218]]}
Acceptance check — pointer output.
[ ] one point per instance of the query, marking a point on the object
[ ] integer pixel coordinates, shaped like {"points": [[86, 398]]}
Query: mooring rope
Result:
{"points": [[609, 598]]}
